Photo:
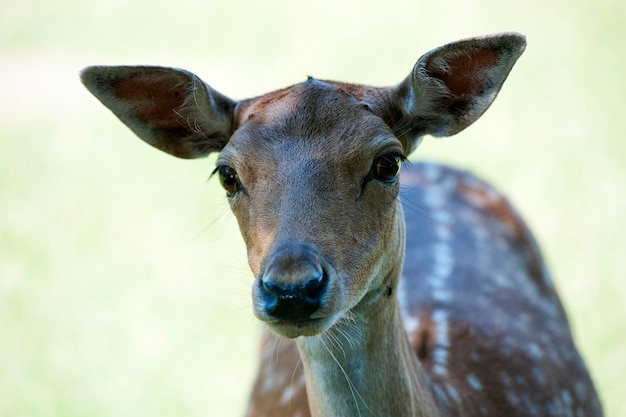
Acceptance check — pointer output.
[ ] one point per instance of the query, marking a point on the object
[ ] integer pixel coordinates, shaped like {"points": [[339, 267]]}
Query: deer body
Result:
{"points": [[466, 324]]}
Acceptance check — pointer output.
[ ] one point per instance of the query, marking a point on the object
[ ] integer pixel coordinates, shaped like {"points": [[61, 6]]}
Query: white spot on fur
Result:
{"points": [[302, 379], [444, 261], [272, 382], [440, 354], [539, 376], [440, 317], [440, 369], [567, 397], [473, 382], [442, 295], [440, 394], [288, 394], [454, 394], [442, 230], [411, 324], [442, 268], [512, 398]]}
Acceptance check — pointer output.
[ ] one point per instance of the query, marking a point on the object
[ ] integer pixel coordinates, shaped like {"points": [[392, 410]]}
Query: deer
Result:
{"points": [[387, 288]]}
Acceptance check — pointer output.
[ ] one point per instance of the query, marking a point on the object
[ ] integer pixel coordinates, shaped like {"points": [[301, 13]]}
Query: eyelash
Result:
{"points": [[392, 162], [229, 179]]}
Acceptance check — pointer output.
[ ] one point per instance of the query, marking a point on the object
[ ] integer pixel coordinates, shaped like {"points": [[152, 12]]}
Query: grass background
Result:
{"points": [[124, 289]]}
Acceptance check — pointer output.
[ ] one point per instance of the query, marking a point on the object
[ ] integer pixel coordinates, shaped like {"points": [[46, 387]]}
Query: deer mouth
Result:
{"points": [[295, 328]]}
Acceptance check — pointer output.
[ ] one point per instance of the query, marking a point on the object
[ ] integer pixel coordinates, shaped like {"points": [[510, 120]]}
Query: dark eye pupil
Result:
{"points": [[387, 167], [229, 179]]}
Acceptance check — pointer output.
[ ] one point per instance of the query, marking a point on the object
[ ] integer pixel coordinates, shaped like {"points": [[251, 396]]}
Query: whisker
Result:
{"points": [[355, 394], [293, 375], [334, 340]]}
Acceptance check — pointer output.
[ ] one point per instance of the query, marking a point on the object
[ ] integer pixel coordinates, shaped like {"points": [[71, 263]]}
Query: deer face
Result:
{"points": [[311, 171], [312, 178]]}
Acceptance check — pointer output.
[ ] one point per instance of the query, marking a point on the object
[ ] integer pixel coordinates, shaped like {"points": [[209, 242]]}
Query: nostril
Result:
{"points": [[272, 288], [314, 288]]}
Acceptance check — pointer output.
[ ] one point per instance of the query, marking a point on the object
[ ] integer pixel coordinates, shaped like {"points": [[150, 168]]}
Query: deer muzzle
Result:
{"points": [[293, 292]]}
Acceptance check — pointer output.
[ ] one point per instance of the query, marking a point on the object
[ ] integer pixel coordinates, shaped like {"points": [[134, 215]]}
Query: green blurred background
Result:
{"points": [[124, 289]]}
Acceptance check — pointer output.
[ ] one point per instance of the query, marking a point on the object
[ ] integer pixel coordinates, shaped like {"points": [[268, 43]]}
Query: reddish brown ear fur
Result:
{"points": [[465, 76], [171, 109], [452, 86], [142, 89]]}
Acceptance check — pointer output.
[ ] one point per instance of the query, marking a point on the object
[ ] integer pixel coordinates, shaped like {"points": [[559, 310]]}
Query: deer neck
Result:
{"points": [[364, 366]]}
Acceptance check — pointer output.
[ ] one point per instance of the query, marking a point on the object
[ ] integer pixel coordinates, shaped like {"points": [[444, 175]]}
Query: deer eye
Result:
{"points": [[229, 179], [386, 168]]}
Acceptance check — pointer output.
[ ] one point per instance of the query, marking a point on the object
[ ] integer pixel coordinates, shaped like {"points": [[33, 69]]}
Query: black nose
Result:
{"points": [[293, 302], [292, 284]]}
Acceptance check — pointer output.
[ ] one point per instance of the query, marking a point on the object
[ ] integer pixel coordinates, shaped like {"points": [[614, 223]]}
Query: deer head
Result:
{"points": [[311, 171]]}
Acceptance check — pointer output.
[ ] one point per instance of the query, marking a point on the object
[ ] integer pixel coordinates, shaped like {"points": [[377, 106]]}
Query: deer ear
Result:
{"points": [[452, 86], [171, 109]]}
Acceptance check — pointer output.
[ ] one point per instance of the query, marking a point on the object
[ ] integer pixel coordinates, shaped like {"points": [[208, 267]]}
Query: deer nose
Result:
{"points": [[292, 286], [293, 302]]}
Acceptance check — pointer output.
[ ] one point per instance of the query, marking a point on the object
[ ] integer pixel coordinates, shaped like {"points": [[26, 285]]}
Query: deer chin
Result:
{"points": [[309, 327]]}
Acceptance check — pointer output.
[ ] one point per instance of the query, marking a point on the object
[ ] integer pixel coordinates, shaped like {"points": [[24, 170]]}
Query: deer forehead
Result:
{"points": [[312, 99], [316, 124]]}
